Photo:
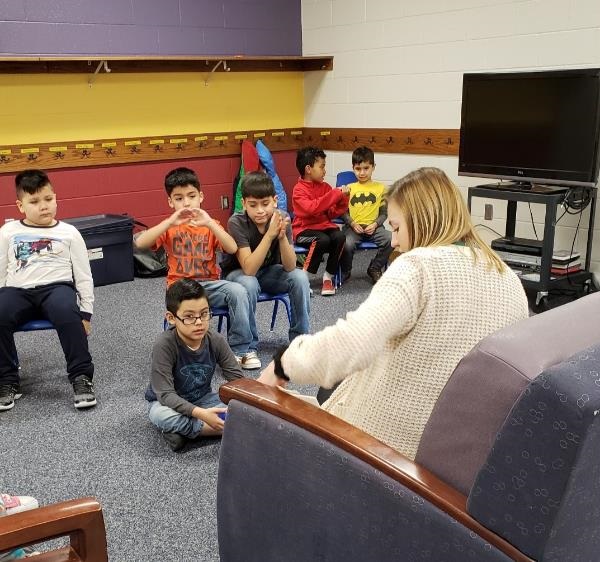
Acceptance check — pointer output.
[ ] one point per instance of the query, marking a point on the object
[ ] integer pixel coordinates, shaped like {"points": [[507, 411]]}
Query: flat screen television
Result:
{"points": [[531, 127]]}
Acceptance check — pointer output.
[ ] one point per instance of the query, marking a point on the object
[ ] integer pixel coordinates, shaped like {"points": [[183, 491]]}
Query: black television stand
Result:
{"points": [[541, 280], [525, 187]]}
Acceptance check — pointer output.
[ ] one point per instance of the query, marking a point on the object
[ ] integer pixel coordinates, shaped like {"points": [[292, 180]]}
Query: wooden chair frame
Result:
{"points": [[81, 520]]}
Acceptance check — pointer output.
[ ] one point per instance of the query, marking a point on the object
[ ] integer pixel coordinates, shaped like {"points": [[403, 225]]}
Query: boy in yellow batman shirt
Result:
{"points": [[366, 214]]}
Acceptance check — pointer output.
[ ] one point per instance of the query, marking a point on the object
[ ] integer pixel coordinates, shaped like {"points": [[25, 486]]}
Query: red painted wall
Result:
{"points": [[138, 189]]}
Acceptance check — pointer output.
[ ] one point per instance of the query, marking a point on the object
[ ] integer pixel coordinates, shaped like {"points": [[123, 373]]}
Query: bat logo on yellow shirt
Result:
{"points": [[363, 198]]}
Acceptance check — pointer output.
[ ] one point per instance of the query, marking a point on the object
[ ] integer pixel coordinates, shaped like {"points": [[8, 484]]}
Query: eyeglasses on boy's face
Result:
{"points": [[191, 320]]}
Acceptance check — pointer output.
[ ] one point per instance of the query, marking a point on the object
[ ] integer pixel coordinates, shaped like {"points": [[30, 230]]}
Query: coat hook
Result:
{"points": [[59, 155], [157, 148], [32, 157], [214, 68], [409, 140], [340, 139], [200, 145], [449, 141], [4, 159], [110, 151], [372, 140], [101, 64], [134, 149], [85, 153], [390, 140], [355, 139], [179, 146], [428, 140]]}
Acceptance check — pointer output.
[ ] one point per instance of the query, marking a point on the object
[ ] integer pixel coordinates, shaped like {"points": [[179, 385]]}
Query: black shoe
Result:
{"points": [[175, 440], [83, 389], [374, 274], [8, 394], [345, 276]]}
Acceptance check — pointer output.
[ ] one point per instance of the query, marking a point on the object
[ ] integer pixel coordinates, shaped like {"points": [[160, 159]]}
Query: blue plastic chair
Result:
{"points": [[362, 245], [33, 326], [216, 312], [344, 178], [337, 278], [223, 313], [283, 298]]}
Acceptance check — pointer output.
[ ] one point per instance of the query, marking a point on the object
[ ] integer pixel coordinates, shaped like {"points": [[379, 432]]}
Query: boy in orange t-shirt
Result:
{"points": [[191, 238]]}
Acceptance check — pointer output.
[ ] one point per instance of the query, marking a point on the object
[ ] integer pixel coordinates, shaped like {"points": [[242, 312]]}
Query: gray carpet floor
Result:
{"points": [[158, 505]]}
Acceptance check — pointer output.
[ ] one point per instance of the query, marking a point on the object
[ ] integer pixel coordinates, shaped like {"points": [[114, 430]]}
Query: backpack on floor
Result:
{"points": [[148, 263]]}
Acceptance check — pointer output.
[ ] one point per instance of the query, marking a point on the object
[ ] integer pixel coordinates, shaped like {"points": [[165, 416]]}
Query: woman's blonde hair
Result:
{"points": [[436, 213]]}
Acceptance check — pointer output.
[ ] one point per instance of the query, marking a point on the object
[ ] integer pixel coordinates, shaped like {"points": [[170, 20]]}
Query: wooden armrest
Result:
{"points": [[81, 519], [365, 447]]}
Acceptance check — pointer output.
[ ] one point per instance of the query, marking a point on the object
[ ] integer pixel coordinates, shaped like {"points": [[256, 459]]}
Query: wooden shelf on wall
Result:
{"points": [[225, 63], [108, 152]]}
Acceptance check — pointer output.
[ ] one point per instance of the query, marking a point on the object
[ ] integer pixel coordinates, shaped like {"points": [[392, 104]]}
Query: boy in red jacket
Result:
{"points": [[315, 204]]}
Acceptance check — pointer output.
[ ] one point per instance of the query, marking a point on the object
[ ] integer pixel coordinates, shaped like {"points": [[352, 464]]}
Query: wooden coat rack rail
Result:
{"points": [[107, 152], [150, 63]]}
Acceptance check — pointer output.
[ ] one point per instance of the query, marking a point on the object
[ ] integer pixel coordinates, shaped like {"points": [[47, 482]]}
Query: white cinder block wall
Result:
{"points": [[399, 63]]}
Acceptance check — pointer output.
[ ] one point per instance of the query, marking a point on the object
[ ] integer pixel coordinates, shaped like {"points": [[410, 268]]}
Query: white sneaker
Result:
{"points": [[249, 361], [16, 504]]}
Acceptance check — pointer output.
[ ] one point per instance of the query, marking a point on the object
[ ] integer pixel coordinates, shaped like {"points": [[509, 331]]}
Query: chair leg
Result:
{"points": [[288, 309], [337, 278], [274, 315]]}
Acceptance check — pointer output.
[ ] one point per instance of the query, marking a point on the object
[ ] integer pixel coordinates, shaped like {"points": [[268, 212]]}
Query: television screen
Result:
{"points": [[532, 127]]}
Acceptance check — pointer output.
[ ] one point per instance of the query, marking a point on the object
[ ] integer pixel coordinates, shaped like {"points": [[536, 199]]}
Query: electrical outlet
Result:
{"points": [[224, 202], [488, 213]]}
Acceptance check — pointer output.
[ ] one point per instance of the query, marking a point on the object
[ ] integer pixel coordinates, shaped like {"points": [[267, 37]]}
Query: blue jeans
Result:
{"points": [[225, 294], [170, 421], [274, 279]]}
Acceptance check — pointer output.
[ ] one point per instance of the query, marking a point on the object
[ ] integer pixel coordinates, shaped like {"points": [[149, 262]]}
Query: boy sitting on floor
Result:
{"points": [[265, 260], [184, 358]]}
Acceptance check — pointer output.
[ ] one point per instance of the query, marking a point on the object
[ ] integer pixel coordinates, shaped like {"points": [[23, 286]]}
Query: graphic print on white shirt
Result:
{"points": [[30, 249]]}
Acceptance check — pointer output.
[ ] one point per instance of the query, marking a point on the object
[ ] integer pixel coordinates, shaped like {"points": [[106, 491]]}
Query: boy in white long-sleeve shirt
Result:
{"points": [[44, 273]]}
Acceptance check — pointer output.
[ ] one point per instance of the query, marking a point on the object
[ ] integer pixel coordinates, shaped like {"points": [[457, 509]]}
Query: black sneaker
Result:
{"points": [[83, 389], [175, 440], [8, 394], [345, 276], [374, 274]]}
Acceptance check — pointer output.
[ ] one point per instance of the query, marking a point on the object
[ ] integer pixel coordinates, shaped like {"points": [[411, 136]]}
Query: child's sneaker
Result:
{"points": [[249, 361], [175, 440], [328, 289], [16, 504], [374, 274], [83, 389], [8, 394], [19, 554]]}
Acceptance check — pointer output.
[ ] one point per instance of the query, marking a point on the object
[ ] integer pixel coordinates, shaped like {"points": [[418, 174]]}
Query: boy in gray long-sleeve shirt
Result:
{"points": [[184, 359]]}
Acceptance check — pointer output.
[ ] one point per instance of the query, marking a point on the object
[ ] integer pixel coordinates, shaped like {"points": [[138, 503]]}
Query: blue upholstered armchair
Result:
{"points": [[507, 468]]}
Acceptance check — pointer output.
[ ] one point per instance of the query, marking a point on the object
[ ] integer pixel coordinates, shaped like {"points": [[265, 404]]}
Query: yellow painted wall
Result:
{"points": [[57, 107]]}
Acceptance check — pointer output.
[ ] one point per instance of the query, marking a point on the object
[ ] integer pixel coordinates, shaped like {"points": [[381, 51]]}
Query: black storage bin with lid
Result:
{"points": [[109, 240]]}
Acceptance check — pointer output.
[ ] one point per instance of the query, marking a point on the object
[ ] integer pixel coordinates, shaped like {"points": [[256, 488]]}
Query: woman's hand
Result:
{"points": [[269, 377]]}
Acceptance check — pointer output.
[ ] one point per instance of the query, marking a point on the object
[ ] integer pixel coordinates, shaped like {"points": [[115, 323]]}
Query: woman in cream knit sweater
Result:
{"points": [[394, 354]]}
